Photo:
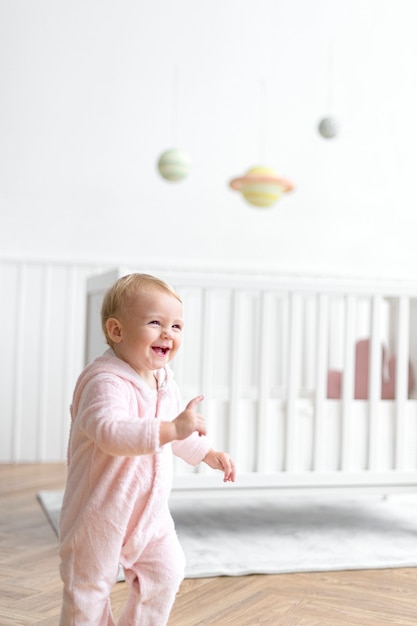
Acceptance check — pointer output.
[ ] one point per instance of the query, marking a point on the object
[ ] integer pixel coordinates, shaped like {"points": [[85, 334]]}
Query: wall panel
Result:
{"points": [[43, 320]]}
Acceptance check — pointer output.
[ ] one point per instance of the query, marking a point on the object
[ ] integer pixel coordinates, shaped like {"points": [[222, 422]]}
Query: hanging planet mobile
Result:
{"points": [[261, 186], [328, 127], [174, 165]]}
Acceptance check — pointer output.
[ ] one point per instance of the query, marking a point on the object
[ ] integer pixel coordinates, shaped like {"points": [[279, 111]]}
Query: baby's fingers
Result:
{"points": [[193, 403], [228, 467], [200, 425]]}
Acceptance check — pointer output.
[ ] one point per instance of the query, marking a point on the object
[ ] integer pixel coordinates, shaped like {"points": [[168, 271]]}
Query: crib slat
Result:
{"points": [[206, 356], [294, 366], [348, 383], [235, 379], [374, 392], [401, 390], [206, 360], [262, 457], [319, 437]]}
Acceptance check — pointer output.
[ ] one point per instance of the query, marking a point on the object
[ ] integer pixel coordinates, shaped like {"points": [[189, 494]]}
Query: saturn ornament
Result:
{"points": [[261, 186]]}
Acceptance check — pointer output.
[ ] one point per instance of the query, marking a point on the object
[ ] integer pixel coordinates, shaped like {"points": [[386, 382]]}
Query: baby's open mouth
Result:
{"points": [[160, 350]]}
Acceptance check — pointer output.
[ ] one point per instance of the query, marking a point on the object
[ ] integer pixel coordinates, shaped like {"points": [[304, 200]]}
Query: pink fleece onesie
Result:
{"points": [[115, 507]]}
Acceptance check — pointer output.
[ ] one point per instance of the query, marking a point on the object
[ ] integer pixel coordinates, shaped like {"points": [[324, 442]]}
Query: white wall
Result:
{"points": [[86, 110]]}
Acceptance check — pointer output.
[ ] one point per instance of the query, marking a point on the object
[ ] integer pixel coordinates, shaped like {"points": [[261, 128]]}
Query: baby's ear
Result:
{"points": [[114, 330]]}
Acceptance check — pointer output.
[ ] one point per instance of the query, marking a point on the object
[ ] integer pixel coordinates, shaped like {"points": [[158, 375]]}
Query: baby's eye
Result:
{"points": [[177, 326], [154, 322]]}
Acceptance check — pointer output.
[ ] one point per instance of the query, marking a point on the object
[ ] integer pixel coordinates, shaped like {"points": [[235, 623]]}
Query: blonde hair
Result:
{"points": [[124, 291]]}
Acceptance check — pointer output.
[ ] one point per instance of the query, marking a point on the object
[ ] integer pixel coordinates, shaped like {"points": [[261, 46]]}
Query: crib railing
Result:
{"points": [[264, 351]]}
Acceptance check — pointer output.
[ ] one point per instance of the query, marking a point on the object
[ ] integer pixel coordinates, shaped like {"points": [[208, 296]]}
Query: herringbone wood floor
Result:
{"points": [[30, 589]]}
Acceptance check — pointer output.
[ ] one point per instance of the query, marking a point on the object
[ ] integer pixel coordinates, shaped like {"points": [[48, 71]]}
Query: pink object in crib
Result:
{"points": [[388, 366]]}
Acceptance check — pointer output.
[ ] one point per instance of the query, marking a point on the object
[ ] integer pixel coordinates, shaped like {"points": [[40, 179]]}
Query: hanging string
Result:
{"points": [[330, 76], [262, 121], [175, 100]]}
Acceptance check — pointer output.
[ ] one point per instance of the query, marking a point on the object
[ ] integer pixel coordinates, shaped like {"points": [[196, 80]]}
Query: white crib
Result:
{"points": [[267, 352]]}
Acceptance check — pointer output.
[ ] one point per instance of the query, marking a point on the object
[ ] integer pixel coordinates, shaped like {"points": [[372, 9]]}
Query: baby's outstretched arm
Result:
{"points": [[221, 461], [190, 421]]}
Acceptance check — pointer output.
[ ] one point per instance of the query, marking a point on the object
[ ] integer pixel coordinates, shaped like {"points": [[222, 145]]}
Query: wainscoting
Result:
{"points": [[43, 320]]}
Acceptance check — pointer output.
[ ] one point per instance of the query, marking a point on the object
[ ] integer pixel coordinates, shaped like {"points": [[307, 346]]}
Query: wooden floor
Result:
{"points": [[30, 588]]}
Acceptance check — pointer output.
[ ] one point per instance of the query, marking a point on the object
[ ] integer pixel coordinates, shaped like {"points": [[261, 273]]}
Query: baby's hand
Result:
{"points": [[221, 461], [189, 421]]}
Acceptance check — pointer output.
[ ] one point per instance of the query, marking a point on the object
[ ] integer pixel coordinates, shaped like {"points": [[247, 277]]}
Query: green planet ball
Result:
{"points": [[174, 165]]}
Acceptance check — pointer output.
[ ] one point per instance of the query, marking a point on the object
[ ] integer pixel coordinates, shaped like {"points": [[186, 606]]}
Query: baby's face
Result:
{"points": [[150, 331]]}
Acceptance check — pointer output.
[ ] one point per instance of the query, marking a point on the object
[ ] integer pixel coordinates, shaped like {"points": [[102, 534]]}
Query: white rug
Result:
{"points": [[239, 537]]}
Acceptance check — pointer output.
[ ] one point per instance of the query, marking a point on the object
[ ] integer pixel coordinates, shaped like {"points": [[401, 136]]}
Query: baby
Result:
{"points": [[126, 423]]}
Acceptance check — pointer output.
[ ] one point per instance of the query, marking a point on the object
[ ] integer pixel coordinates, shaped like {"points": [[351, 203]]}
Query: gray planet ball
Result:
{"points": [[328, 127]]}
